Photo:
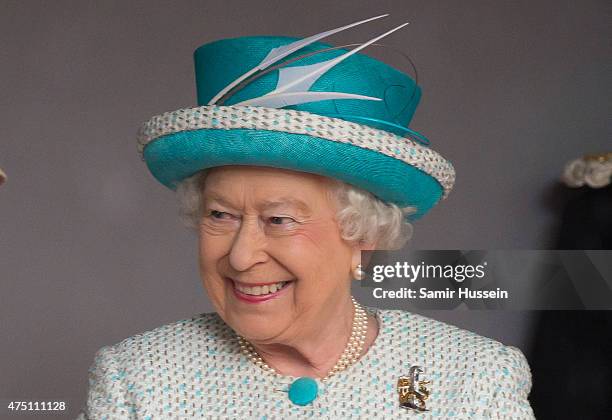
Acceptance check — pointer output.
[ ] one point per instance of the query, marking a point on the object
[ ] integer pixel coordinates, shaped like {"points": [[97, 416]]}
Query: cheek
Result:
{"points": [[320, 231], [314, 238], [211, 250], [318, 254], [212, 247]]}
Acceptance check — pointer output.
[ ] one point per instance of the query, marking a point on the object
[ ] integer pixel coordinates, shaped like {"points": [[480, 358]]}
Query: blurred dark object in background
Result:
{"points": [[571, 358], [571, 365], [587, 220]]}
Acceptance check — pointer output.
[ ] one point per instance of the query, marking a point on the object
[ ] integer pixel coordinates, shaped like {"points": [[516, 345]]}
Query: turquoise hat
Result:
{"points": [[303, 105]]}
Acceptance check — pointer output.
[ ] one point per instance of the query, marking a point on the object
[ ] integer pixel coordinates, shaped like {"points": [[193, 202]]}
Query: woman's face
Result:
{"points": [[271, 256]]}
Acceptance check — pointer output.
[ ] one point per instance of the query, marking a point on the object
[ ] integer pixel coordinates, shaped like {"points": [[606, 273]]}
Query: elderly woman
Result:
{"points": [[297, 159]]}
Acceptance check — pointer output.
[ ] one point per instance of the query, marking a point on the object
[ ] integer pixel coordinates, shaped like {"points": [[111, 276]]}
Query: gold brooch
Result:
{"points": [[412, 391]]}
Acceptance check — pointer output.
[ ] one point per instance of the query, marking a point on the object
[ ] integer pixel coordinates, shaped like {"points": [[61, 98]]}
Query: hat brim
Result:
{"points": [[173, 157]]}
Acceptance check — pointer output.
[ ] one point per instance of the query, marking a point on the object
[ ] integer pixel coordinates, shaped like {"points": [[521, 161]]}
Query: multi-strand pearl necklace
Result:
{"points": [[350, 355]]}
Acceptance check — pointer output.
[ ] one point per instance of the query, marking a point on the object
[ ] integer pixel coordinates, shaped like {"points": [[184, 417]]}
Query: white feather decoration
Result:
{"points": [[302, 77], [295, 98], [287, 75], [283, 51]]}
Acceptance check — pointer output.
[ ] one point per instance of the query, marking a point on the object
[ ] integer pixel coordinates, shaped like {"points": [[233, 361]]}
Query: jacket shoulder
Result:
{"points": [[175, 339], [129, 370], [430, 332]]}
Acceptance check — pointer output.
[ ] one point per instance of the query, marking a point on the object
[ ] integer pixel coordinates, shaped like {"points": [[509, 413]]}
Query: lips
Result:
{"points": [[259, 292]]}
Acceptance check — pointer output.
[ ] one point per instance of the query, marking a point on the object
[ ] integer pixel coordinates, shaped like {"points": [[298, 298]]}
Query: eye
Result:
{"points": [[220, 215], [281, 220]]}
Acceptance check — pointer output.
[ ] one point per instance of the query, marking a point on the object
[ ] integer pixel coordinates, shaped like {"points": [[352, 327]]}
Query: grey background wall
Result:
{"points": [[91, 249]]}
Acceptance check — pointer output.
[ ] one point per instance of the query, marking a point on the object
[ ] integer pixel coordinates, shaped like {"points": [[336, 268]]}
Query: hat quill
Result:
{"points": [[297, 80], [283, 51], [302, 77]]}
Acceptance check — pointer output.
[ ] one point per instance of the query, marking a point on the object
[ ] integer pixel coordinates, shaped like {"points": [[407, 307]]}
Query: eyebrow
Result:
{"points": [[284, 201], [265, 204]]}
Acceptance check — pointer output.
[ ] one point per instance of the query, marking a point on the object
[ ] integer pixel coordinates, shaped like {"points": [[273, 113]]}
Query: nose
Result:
{"points": [[248, 248]]}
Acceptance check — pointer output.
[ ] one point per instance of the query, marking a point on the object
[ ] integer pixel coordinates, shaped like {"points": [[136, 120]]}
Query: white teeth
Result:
{"points": [[261, 290]]}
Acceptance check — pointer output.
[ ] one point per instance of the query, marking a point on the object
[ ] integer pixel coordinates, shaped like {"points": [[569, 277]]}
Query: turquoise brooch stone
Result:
{"points": [[303, 391]]}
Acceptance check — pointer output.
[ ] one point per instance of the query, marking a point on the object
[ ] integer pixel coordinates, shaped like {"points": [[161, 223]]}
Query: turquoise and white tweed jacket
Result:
{"points": [[193, 369]]}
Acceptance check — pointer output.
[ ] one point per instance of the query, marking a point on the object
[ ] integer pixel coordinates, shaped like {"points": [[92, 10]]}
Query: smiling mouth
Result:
{"points": [[261, 290], [254, 293]]}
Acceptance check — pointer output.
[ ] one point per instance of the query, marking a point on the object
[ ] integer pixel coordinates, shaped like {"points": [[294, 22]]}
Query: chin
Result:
{"points": [[256, 328]]}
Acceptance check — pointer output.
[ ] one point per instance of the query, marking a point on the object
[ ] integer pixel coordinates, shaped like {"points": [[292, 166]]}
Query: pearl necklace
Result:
{"points": [[350, 355]]}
